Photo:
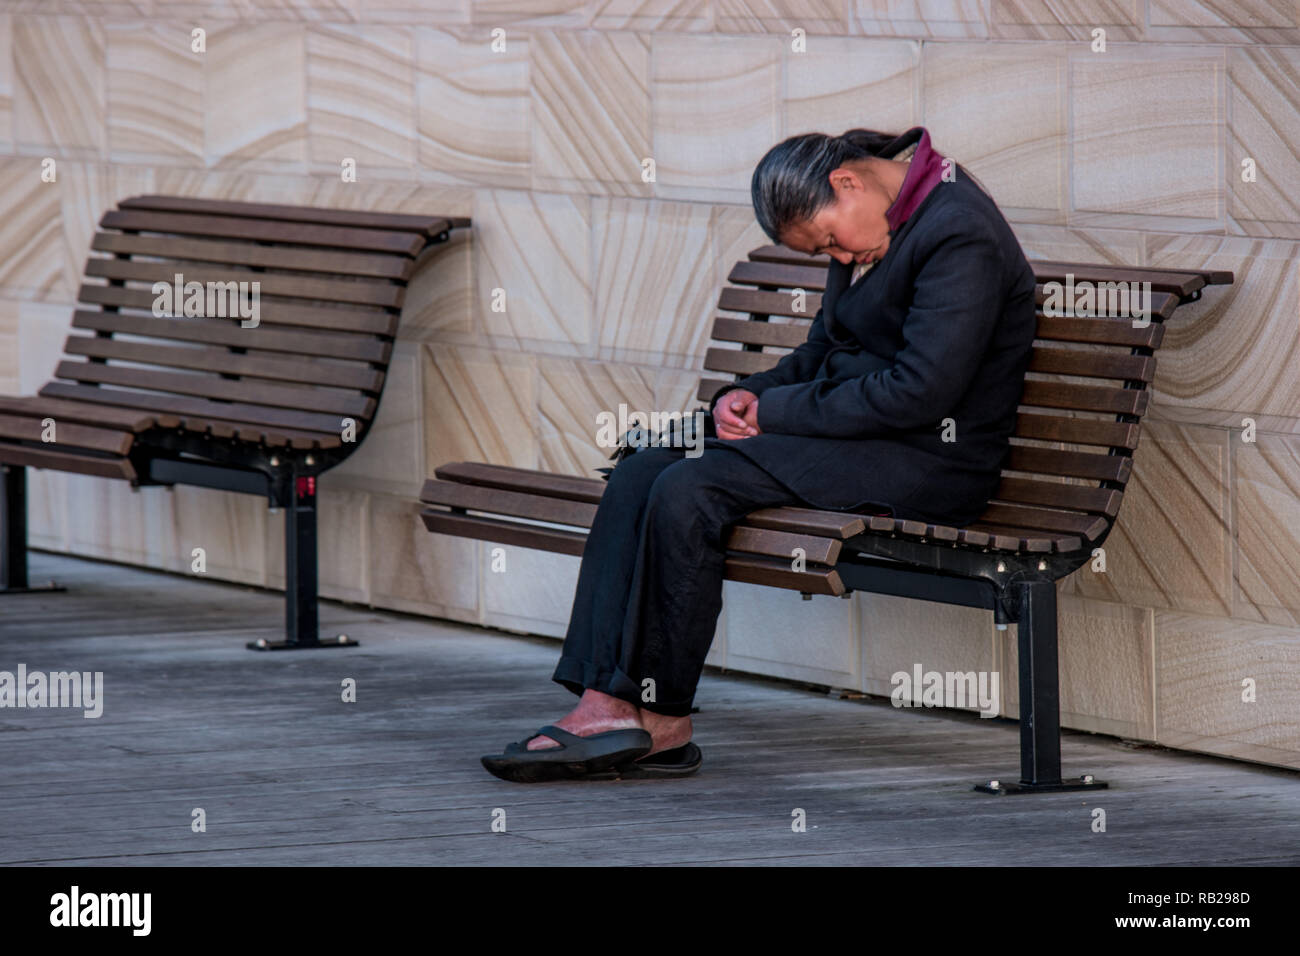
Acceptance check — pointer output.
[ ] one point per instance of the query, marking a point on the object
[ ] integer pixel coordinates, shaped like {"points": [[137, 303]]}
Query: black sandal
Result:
{"points": [[594, 757], [678, 762]]}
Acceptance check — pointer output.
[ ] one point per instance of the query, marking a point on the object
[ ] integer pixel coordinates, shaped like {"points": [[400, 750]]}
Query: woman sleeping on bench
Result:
{"points": [[900, 402]]}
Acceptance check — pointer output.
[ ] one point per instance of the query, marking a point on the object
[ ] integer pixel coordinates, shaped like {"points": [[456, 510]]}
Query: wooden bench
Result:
{"points": [[1072, 454], [260, 404]]}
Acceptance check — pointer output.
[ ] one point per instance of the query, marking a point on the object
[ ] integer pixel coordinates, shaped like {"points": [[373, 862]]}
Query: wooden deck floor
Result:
{"points": [[289, 774]]}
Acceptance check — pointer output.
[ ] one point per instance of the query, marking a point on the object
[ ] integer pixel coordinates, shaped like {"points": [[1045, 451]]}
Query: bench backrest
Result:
{"points": [[330, 286], [1079, 419]]}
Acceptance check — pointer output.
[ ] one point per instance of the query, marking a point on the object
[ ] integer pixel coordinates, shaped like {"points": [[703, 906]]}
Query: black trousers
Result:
{"points": [[650, 586]]}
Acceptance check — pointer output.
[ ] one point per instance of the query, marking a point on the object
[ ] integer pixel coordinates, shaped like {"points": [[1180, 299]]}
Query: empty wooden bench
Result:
{"points": [[256, 403], [1078, 425]]}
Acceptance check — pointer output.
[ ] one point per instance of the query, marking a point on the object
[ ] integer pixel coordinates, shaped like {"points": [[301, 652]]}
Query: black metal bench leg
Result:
{"points": [[300, 598], [13, 533], [1040, 702]]}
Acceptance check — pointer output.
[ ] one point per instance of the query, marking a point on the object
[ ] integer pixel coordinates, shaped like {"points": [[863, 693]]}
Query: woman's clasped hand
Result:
{"points": [[736, 415]]}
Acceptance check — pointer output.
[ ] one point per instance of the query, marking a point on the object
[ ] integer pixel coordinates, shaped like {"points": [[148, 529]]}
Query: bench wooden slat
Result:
{"points": [[251, 364], [763, 302], [197, 407], [1070, 464], [1077, 431], [211, 386], [1182, 284], [974, 538], [504, 532], [739, 362], [840, 525], [85, 463], [1045, 519], [912, 526], [571, 487], [234, 253], [770, 275], [356, 218], [343, 323], [263, 230], [709, 387], [782, 545], [225, 332], [84, 413], [1211, 276], [379, 293], [777, 574], [1086, 331], [782, 335], [514, 504], [66, 435], [1103, 501], [1159, 304], [1085, 398], [1108, 365], [787, 256]]}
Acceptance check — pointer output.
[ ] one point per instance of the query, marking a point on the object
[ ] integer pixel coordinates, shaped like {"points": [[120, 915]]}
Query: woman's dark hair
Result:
{"points": [[792, 182]]}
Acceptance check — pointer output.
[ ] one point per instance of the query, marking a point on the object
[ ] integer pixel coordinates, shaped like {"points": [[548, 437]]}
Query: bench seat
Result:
{"points": [[157, 398]]}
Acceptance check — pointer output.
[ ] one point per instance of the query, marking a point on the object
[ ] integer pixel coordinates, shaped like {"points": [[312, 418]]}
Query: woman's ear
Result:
{"points": [[842, 178]]}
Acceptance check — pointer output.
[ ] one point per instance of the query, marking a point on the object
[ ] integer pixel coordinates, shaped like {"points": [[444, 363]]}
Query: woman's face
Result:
{"points": [[852, 228]]}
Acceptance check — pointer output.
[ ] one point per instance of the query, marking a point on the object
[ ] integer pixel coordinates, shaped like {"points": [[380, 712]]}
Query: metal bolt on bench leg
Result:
{"points": [[1085, 782]]}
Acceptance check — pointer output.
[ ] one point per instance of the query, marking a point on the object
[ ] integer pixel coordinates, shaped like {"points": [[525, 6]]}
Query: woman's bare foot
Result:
{"points": [[597, 712]]}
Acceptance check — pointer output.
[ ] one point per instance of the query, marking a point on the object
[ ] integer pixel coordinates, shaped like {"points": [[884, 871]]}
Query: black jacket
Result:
{"points": [[941, 327]]}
